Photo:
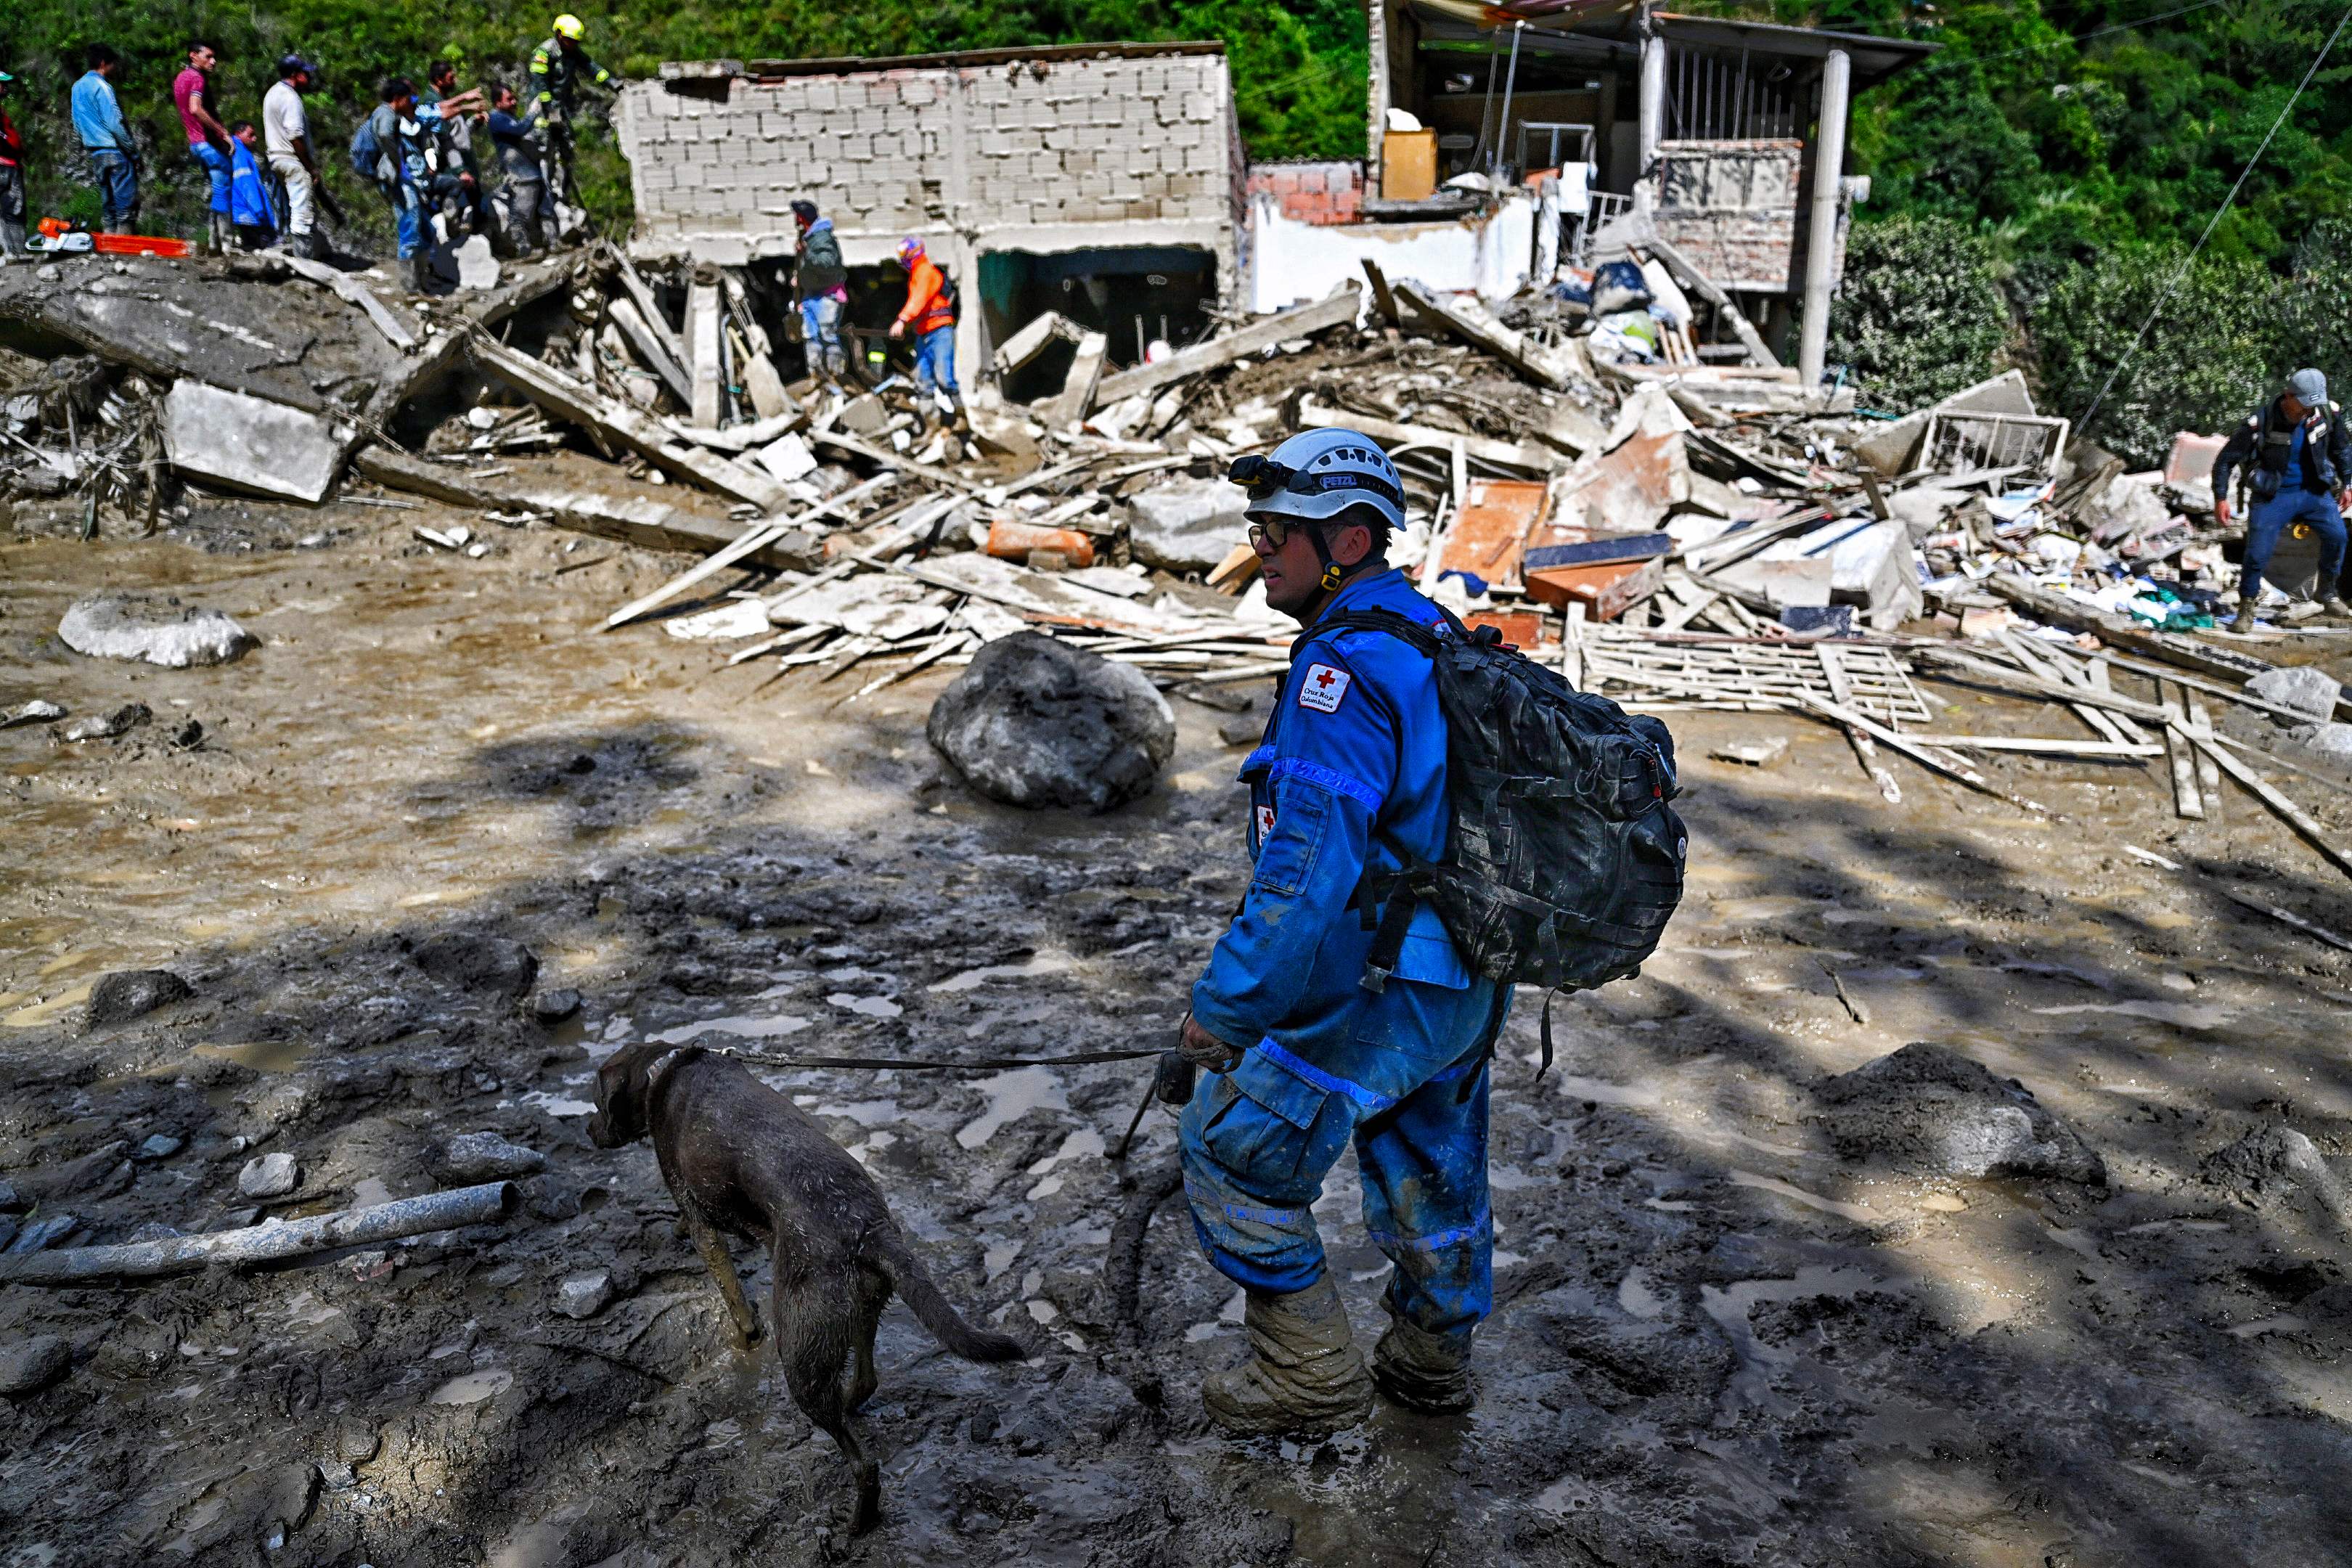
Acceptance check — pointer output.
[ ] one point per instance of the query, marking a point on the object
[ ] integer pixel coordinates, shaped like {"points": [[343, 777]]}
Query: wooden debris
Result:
{"points": [[757, 537], [1299, 321]]}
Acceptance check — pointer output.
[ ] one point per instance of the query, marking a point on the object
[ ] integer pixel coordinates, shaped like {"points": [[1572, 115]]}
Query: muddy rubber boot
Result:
{"points": [[2245, 620], [1305, 1376], [1423, 1370], [2333, 605]]}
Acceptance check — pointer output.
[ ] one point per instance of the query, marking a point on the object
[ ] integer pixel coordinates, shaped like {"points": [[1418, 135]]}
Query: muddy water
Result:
{"points": [[1717, 1341]]}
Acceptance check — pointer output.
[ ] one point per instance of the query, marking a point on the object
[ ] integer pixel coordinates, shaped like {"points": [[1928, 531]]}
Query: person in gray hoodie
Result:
{"points": [[823, 284]]}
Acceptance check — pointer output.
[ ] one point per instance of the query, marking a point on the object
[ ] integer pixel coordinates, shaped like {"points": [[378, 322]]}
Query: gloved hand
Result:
{"points": [[1173, 1086], [1202, 1048]]}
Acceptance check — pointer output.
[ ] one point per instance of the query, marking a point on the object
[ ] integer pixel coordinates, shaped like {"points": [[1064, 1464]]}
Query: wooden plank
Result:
{"points": [[1502, 454], [1342, 306], [754, 537], [1384, 302], [2286, 810], [706, 402], [633, 520], [1865, 751], [655, 319], [1474, 325], [1951, 768], [567, 399], [2179, 753], [1687, 272], [650, 348], [904, 465], [2208, 777], [2036, 745], [2168, 647]]}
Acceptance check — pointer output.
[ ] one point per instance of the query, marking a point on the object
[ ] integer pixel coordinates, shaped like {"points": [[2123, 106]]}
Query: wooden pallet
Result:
{"points": [[1625, 664]]}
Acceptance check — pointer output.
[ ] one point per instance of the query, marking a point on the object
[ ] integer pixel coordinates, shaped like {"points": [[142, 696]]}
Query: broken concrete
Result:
{"points": [[251, 442], [1188, 525], [153, 628]]}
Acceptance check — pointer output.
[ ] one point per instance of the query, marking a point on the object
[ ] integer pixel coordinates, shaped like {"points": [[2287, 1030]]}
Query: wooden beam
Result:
{"points": [[1474, 325], [1297, 322], [567, 399], [755, 537], [2170, 647], [2293, 815], [1502, 454]]}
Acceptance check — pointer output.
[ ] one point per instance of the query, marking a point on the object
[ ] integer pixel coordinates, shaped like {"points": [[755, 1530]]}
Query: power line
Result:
{"points": [[1951, 60], [2214, 222]]}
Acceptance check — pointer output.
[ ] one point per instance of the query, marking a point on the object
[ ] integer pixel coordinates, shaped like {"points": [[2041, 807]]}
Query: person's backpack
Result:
{"points": [[367, 153], [950, 299], [1564, 860]]}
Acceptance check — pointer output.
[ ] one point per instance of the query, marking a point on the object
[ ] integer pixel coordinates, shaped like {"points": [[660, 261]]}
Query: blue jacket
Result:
{"points": [[1352, 771], [98, 116], [249, 193]]}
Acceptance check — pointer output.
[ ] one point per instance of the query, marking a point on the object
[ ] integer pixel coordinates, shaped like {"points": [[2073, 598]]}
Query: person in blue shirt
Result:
{"points": [[1304, 1058], [250, 211], [106, 138]]}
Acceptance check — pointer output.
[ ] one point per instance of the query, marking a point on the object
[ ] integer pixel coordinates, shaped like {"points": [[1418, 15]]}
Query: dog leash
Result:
{"points": [[975, 1064]]}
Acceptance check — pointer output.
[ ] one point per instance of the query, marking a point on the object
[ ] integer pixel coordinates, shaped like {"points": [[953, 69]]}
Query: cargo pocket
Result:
{"points": [[1279, 1127], [1285, 859]]}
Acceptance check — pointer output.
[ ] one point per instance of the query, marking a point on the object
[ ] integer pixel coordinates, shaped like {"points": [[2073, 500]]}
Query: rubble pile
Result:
{"points": [[1671, 530]]}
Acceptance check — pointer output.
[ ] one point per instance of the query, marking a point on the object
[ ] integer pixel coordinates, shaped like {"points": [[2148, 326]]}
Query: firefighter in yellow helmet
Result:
{"points": [[557, 67]]}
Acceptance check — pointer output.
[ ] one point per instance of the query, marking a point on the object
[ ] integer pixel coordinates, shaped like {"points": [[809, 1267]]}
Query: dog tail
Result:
{"points": [[921, 1294]]}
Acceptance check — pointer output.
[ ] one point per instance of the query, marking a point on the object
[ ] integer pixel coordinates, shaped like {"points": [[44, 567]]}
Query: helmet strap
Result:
{"points": [[1333, 573]]}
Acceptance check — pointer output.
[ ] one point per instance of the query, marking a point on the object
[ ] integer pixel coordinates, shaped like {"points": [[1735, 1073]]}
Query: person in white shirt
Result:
{"points": [[286, 138]]}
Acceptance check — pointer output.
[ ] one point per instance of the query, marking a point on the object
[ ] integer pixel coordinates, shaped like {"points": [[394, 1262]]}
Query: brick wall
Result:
{"points": [[1317, 193], [994, 153], [1735, 209]]}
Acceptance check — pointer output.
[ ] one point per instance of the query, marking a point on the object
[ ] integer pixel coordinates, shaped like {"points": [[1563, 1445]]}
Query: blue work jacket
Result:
{"points": [[1351, 775]]}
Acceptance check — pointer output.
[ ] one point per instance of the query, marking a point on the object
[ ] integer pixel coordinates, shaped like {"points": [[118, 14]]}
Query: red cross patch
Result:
{"points": [[1323, 687], [1265, 823]]}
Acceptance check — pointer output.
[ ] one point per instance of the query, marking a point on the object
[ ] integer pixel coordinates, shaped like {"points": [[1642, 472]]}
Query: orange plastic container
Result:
{"points": [[1014, 541], [140, 245]]}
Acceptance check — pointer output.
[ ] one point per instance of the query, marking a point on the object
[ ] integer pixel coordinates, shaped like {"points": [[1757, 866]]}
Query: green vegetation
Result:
{"points": [[2033, 188]]}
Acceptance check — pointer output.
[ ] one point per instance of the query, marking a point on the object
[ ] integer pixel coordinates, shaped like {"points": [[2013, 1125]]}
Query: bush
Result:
{"points": [[1921, 314]]}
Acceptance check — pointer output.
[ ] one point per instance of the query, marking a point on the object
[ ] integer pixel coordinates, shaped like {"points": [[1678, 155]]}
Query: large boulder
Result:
{"points": [[1928, 1110], [1187, 525], [2274, 1167], [159, 630], [129, 993], [1036, 722]]}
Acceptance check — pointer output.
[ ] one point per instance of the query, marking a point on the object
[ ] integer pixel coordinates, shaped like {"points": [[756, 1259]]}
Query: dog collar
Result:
{"points": [[662, 1065]]}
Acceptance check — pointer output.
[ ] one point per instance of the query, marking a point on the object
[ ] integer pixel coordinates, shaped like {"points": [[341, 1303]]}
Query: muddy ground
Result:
{"points": [[1719, 1342]]}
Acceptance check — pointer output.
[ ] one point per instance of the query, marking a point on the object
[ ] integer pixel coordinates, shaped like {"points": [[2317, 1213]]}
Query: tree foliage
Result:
{"points": [[1922, 314]]}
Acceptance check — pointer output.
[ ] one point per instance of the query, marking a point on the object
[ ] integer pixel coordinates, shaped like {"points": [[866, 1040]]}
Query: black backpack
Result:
{"points": [[1564, 861]]}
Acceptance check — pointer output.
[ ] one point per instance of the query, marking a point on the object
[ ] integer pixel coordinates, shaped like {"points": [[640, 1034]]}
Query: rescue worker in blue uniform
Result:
{"points": [[2298, 456], [1303, 1056]]}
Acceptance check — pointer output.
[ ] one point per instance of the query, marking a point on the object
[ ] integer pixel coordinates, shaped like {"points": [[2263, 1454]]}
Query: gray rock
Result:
{"points": [[2273, 1166], [133, 993], [46, 1230], [7, 1230], [1035, 722], [2302, 688], [40, 710], [159, 1146], [156, 629], [106, 726], [269, 1176], [1928, 1110], [2327, 739], [583, 1295], [555, 1006], [1187, 525], [490, 963], [9, 1202], [30, 1365], [486, 1157], [155, 1230]]}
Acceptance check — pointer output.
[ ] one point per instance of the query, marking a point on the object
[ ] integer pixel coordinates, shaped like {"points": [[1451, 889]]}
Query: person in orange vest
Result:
{"points": [[930, 313]]}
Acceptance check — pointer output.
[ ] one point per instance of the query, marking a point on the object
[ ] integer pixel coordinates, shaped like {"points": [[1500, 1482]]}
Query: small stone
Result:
{"points": [[9, 1202], [1244, 732], [269, 1176], [155, 1230], [38, 711], [486, 1157], [106, 726], [130, 994], [159, 1146], [477, 962], [555, 1006], [30, 1365], [552, 1198], [583, 1295], [45, 1231]]}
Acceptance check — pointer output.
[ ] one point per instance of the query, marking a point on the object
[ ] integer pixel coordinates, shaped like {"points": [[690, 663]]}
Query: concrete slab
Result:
{"points": [[251, 443]]}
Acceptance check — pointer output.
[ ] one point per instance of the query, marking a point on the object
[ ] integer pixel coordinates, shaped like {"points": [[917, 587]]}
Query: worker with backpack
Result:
{"points": [[1433, 819]]}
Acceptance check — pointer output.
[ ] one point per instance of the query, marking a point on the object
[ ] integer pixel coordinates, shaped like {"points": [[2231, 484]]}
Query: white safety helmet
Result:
{"points": [[1317, 475]]}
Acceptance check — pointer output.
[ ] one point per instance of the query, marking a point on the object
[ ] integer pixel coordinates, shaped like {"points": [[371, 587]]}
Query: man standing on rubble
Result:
{"points": [[930, 313], [12, 177], [192, 95], [529, 214], [402, 129], [558, 66], [106, 138], [286, 139], [2301, 471], [1349, 781], [823, 283]]}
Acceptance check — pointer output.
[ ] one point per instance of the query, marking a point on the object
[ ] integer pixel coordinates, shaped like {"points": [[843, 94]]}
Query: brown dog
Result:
{"points": [[741, 1158]]}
